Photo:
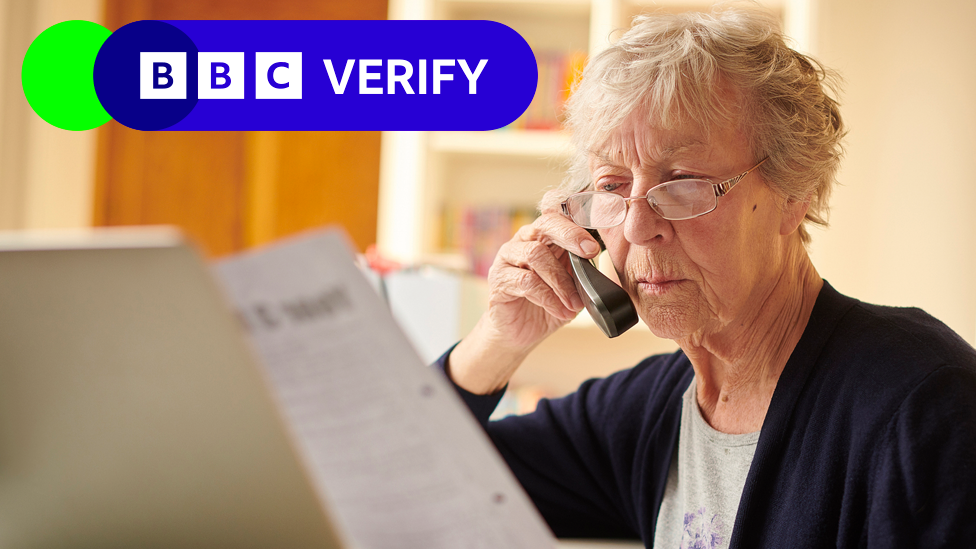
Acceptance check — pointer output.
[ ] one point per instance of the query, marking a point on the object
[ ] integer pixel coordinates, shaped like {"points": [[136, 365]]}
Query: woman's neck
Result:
{"points": [[738, 366]]}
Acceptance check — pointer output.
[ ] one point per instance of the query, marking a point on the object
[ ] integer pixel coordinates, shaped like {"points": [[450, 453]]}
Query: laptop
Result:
{"points": [[132, 412]]}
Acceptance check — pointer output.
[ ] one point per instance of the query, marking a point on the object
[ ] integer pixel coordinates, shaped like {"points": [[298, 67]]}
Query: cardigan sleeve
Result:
{"points": [[924, 481], [481, 406]]}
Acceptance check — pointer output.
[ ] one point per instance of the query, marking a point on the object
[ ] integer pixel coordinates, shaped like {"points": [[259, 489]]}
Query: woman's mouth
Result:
{"points": [[657, 286]]}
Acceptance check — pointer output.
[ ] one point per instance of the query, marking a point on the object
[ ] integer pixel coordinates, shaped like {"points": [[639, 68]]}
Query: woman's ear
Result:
{"points": [[794, 211]]}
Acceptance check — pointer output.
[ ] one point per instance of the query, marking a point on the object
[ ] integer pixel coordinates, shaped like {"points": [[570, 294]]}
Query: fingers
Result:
{"points": [[532, 266], [554, 228], [517, 284], [532, 271]]}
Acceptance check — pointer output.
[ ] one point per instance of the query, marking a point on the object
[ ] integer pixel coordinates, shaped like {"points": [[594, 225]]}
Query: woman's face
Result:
{"points": [[694, 277]]}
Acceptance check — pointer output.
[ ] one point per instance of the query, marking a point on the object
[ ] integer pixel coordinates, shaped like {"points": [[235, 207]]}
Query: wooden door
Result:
{"points": [[232, 190]]}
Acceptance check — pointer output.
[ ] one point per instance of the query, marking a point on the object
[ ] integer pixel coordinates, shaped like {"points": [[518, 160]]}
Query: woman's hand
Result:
{"points": [[531, 295]]}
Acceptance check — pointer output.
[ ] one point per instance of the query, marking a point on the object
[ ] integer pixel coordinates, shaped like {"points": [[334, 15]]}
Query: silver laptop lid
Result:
{"points": [[131, 412]]}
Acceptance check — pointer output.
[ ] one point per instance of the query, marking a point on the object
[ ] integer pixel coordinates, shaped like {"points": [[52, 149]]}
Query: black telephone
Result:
{"points": [[608, 304]]}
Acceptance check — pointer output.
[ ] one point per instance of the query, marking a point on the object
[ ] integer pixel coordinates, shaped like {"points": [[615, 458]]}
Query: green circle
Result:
{"points": [[58, 75]]}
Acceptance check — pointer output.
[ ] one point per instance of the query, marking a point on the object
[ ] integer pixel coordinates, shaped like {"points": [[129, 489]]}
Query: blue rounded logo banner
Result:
{"points": [[315, 75]]}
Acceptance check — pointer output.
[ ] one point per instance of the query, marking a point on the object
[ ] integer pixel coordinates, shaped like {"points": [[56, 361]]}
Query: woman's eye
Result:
{"points": [[685, 176], [608, 186]]}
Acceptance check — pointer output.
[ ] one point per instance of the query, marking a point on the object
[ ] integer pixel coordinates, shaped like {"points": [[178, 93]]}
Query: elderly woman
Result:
{"points": [[792, 416]]}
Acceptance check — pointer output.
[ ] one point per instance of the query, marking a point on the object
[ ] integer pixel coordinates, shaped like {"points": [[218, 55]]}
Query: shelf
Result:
{"points": [[523, 143]]}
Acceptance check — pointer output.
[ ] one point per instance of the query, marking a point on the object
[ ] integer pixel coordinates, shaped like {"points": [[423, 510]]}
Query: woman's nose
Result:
{"points": [[642, 224]]}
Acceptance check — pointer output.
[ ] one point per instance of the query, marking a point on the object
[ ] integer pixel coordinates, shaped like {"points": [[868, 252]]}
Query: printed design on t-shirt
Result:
{"points": [[702, 532]]}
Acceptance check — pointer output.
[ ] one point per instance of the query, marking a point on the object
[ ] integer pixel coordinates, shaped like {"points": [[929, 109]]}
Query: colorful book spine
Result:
{"points": [[479, 232]]}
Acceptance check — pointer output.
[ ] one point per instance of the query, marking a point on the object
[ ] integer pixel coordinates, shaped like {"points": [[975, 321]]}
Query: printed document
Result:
{"points": [[389, 444]]}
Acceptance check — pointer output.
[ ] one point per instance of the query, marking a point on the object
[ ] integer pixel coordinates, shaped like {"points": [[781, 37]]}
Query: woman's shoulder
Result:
{"points": [[867, 335], [890, 336], [872, 358]]}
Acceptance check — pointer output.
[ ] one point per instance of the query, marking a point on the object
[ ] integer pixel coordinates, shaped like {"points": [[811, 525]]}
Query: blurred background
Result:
{"points": [[903, 229]]}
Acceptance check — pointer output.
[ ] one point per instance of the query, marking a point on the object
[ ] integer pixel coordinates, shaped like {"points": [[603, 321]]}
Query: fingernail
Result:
{"points": [[577, 302], [590, 247]]}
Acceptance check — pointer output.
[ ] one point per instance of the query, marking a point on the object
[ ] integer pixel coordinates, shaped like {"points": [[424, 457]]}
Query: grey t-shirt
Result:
{"points": [[704, 483]]}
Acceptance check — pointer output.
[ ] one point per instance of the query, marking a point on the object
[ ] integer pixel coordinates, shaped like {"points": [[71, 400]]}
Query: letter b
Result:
{"points": [[162, 75], [220, 75]]}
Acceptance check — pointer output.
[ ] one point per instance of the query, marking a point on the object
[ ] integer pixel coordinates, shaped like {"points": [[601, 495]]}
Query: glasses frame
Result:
{"points": [[721, 189]]}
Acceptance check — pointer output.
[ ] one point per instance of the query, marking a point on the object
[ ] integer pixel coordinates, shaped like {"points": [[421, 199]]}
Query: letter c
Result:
{"points": [[271, 79]]}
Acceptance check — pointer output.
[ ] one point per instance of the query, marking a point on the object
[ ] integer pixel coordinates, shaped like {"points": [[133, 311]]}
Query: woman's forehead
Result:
{"points": [[633, 143], [638, 139], [682, 130]]}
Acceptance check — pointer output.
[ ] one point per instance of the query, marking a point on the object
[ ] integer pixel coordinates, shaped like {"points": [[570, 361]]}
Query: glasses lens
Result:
{"points": [[683, 199], [596, 210]]}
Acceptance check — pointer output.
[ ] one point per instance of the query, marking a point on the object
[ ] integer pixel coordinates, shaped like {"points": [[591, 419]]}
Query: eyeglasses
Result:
{"points": [[673, 200]]}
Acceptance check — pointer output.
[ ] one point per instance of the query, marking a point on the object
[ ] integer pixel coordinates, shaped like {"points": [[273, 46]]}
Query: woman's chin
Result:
{"points": [[667, 322]]}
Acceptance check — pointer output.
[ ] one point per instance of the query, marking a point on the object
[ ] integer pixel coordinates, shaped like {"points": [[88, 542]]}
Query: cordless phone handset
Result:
{"points": [[608, 304]]}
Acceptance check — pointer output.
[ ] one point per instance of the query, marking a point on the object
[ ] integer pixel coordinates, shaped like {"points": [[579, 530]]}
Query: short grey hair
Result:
{"points": [[674, 68]]}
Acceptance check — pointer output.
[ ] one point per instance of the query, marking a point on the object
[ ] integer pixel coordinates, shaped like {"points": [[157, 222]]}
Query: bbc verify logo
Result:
{"points": [[314, 75], [162, 75]]}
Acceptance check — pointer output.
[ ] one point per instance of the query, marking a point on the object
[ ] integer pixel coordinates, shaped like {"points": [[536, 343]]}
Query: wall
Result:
{"points": [[46, 174], [903, 225]]}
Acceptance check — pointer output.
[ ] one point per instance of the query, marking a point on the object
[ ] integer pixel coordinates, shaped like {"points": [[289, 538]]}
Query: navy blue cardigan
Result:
{"points": [[869, 441]]}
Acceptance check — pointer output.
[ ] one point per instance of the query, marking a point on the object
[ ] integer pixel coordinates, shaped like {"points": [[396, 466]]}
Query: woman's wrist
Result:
{"points": [[481, 365]]}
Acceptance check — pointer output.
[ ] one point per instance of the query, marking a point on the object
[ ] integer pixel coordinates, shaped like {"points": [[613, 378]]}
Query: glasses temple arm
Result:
{"points": [[724, 187]]}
